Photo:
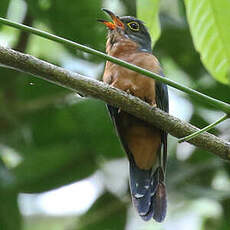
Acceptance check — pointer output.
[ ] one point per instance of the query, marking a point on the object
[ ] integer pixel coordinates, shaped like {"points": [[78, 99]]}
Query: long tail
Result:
{"points": [[148, 192]]}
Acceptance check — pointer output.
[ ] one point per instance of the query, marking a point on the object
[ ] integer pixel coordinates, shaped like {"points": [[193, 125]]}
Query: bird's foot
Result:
{"points": [[128, 91]]}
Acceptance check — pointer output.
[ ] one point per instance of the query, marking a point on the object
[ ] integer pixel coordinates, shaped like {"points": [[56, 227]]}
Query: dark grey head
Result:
{"points": [[137, 31], [131, 28]]}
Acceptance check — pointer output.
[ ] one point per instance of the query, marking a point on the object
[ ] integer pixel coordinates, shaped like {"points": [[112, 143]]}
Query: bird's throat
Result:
{"points": [[118, 44]]}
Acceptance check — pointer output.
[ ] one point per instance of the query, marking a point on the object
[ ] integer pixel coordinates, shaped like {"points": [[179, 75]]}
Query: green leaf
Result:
{"points": [[73, 20], [3, 7], [147, 11], [10, 218], [209, 22], [53, 167], [67, 144]]}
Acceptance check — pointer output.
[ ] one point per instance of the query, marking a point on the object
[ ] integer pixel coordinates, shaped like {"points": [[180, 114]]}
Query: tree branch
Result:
{"points": [[225, 107], [113, 96]]}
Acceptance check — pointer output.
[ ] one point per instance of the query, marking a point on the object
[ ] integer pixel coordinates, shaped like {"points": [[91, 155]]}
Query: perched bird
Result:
{"points": [[145, 145]]}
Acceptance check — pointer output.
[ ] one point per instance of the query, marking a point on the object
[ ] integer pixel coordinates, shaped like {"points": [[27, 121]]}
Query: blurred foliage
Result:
{"points": [[8, 201], [59, 137], [108, 212], [43, 222], [72, 20], [148, 12], [4, 7], [10, 219]]}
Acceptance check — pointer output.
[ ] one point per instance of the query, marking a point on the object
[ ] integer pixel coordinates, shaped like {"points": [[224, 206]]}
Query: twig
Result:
{"points": [[204, 129]]}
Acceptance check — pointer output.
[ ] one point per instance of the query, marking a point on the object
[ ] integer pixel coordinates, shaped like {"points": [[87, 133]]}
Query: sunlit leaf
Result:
{"points": [[148, 10], [209, 21]]}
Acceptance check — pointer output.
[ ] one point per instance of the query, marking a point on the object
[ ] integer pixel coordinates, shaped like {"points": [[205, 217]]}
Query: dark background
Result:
{"points": [[50, 137]]}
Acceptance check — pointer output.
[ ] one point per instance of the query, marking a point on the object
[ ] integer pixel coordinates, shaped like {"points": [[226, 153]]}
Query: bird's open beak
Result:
{"points": [[116, 21]]}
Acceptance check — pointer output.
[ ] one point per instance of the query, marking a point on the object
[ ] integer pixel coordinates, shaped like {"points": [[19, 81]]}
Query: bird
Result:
{"points": [[145, 145]]}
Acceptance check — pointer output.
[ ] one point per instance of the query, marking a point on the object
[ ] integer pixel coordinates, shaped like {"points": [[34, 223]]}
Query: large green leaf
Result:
{"points": [[147, 10], [209, 22]]}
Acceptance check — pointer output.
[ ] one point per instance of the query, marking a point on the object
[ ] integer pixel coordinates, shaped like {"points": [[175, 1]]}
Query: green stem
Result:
{"points": [[204, 129], [202, 97]]}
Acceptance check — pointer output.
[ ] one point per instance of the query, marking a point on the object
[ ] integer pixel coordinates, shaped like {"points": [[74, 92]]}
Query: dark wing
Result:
{"points": [[162, 102], [150, 202], [114, 114], [162, 98], [140, 180]]}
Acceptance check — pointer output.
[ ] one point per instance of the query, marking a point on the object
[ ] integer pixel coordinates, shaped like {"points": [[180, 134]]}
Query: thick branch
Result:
{"points": [[202, 97], [113, 96]]}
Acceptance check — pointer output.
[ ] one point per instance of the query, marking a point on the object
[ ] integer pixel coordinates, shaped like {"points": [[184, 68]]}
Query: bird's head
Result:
{"points": [[128, 27]]}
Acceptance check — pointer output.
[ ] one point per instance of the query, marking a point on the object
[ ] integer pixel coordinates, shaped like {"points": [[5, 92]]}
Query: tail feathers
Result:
{"points": [[142, 204], [140, 182], [148, 193], [159, 202]]}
